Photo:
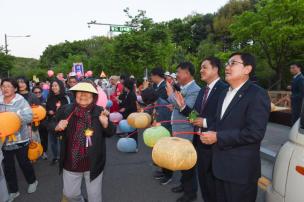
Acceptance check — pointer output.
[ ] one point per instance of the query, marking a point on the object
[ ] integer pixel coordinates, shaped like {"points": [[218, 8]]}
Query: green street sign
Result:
{"points": [[120, 29]]}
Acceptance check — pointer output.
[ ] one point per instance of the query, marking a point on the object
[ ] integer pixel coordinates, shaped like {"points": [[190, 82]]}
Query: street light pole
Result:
{"points": [[5, 44], [5, 41]]}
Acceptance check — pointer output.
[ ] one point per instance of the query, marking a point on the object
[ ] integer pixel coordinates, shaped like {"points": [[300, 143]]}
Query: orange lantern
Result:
{"points": [[39, 114], [174, 153], [10, 123], [139, 120], [35, 151]]}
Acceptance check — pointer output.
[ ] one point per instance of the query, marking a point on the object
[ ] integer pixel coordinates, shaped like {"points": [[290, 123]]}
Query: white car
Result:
{"points": [[288, 173]]}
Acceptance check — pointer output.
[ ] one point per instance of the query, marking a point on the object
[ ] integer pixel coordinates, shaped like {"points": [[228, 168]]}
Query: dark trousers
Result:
{"points": [[167, 173], [43, 137], [189, 181], [54, 141], [232, 192], [10, 169], [205, 175]]}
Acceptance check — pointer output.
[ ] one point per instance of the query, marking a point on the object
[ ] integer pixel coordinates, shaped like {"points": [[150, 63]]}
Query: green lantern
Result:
{"points": [[153, 134]]}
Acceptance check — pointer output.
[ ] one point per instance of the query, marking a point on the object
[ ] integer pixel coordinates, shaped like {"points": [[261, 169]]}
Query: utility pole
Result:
{"points": [[5, 44]]}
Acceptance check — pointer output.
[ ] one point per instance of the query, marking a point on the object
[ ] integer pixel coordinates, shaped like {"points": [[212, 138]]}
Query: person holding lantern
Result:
{"points": [[117, 91], [83, 127], [3, 186], [25, 91], [18, 145], [56, 99]]}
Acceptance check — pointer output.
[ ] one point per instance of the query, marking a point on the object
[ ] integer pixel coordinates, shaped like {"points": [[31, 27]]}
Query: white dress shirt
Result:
{"points": [[229, 97]]}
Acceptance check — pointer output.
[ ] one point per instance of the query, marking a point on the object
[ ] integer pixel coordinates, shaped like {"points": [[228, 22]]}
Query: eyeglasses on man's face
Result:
{"points": [[231, 63]]}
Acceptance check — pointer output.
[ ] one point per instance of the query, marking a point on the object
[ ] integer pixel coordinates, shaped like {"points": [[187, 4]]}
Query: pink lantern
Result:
{"points": [[115, 117], [90, 73], [102, 98], [50, 73], [86, 75]]}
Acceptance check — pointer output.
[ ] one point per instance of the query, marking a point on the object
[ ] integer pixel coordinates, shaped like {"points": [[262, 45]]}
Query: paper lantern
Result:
{"points": [[125, 127], [10, 123], [115, 117], [102, 98], [109, 104], [35, 151], [39, 114], [50, 73], [174, 153], [139, 120], [153, 134], [126, 145]]}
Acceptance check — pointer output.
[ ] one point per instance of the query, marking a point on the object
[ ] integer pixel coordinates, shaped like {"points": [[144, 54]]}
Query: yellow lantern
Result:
{"points": [[39, 114], [10, 123], [35, 151], [139, 120], [174, 153]]}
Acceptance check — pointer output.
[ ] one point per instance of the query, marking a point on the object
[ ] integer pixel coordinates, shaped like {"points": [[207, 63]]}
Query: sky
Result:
{"points": [[50, 22]]}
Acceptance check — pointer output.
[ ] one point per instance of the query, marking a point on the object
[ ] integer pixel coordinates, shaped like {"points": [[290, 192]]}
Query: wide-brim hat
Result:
{"points": [[85, 87]]}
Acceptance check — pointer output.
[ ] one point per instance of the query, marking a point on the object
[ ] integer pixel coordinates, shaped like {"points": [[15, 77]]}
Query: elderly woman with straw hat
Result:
{"points": [[83, 127]]}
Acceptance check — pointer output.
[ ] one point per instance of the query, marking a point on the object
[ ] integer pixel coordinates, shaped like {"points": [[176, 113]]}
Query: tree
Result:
{"points": [[6, 63], [274, 31]]}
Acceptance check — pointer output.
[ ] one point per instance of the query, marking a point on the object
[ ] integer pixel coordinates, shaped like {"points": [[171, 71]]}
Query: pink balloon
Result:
{"points": [[90, 73], [102, 98], [50, 73], [45, 87], [115, 117], [78, 74]]}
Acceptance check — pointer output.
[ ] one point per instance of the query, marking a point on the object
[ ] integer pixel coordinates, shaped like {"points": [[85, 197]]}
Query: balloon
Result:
{"points": [[109, 104], [78, 74], [115, 117], [45, 87], [50, 73], [153, 134], [102, 98], [125, 127], [126, 145], [90, 73], [174, 153]]}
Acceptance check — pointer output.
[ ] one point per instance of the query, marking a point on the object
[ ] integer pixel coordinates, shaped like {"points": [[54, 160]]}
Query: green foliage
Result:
{"points": [[273, 32]]}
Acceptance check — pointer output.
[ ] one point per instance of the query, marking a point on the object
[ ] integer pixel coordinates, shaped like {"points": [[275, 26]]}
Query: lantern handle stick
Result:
{"points": [[187, 133], [154, 106], [174, 121], [133, 133]]}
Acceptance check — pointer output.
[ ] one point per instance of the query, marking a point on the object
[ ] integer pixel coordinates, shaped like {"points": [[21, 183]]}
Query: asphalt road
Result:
{"points": [[128, 177]]}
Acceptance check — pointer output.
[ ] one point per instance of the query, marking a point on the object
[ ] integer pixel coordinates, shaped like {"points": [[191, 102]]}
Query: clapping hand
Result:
{"points": [[103, 118]]}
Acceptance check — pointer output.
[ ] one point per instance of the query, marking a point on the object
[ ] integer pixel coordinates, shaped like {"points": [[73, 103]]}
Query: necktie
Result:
{"points": [[205, 98]]}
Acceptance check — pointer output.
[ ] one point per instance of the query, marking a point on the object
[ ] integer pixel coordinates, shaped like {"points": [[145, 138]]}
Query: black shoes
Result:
{"points": [[53, 162], [165, 180], [178, 189], [186, 198], [158, 175]]}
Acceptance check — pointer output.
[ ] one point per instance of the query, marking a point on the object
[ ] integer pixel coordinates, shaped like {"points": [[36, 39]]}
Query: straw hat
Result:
{"points": [[85, 87]]}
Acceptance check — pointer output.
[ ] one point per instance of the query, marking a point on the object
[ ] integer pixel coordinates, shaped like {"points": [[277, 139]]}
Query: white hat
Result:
{"points": [[173, 75], [86, 87], [167, 73], [72, 74]]}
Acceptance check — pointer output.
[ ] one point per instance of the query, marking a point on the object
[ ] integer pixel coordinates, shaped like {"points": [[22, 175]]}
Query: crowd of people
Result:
{"points": [[233, 112]]}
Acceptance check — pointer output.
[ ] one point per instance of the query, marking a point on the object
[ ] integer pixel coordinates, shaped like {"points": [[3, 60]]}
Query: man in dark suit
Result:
{"points": [[297, 91], [162, 114], [206, 106], [241, 122]]}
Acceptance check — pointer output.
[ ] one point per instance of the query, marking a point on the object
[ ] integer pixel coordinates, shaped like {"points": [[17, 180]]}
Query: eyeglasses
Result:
{"points": [[37, 92], [233, 62]]}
